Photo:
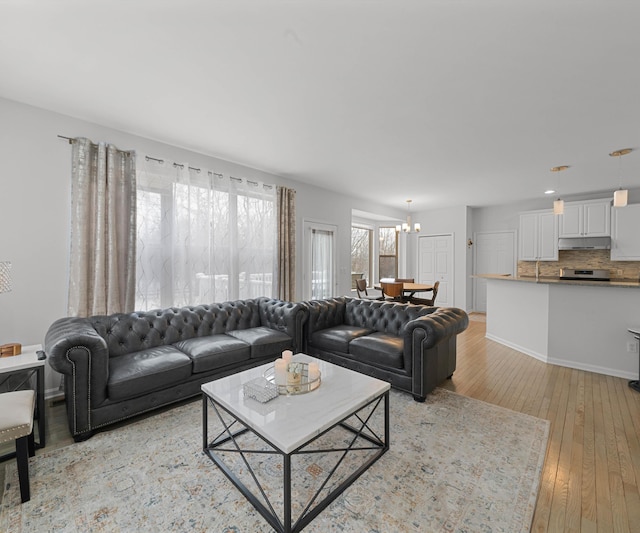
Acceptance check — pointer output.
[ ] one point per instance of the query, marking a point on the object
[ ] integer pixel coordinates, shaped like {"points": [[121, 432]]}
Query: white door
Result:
{"points": [[494, 253], [319, 268], [435, 263]]}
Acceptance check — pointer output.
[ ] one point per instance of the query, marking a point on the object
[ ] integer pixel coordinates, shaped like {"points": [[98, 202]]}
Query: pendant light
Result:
{"points": [[620, 196], [406, 227], [558, 205]]}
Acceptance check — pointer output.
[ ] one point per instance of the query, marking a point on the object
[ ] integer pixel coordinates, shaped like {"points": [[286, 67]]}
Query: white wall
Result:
{"points": [[518, 316], [35, 172]]}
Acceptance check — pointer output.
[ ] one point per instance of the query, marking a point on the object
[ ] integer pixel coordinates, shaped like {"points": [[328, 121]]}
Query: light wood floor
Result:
{"points": [[592, 468]]}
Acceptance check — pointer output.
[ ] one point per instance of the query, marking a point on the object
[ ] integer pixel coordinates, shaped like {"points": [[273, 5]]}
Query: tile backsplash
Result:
{"points": [[587, 259]]}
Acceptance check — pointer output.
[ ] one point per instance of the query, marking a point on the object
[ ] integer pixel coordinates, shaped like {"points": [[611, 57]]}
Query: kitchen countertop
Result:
{"points": [[557, 281]]}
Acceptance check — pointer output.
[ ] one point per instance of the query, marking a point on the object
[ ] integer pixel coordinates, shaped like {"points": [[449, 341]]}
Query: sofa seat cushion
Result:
{"points": [[214, 351], [379, 349], [263, 341], [138, 373], [337, 338]]}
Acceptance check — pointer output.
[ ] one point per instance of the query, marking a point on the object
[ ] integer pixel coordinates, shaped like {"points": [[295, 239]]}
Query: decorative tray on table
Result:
{"points": [[295, 380]]}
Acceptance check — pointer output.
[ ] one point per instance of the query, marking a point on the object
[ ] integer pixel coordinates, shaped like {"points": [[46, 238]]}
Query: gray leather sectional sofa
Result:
{"points": [[121, 365], [413, 347]]}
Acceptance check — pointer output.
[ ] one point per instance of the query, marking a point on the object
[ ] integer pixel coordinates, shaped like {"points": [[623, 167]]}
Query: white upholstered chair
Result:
{"points": [[16, 423]]}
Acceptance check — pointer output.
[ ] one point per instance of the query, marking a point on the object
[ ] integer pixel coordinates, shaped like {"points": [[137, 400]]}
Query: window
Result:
{"points": [[202, 237], [319, 263], [387, 253], [361, 250]]}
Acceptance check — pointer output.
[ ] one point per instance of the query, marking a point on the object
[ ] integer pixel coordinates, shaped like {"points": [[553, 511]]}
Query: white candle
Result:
{"points": [[281, 371], [314, 371], [286, 355]]}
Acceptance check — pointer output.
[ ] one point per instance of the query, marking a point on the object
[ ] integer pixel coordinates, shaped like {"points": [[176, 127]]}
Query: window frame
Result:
{"points": [[370, 260], [395, 255]]}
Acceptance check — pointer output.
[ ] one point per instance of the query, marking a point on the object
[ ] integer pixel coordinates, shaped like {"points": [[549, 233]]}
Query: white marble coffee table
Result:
{"points": [[290, 424]]}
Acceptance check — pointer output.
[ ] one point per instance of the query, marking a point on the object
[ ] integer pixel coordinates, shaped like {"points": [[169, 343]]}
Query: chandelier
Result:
{"points": [[406, 227]]}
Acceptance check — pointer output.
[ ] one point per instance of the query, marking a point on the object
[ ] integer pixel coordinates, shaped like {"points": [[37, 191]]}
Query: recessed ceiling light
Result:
{"points": [[549, 191]]}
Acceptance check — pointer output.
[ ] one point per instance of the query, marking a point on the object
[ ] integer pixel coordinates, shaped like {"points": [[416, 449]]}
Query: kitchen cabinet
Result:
{"points": [[625, 237], [538, 236], [586, 219]]}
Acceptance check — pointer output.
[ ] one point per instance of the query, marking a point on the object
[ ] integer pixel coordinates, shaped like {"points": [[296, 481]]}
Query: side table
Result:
{"points": [[30, 361]]}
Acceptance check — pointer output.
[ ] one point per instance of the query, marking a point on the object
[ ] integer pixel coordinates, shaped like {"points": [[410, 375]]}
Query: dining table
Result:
{"points": [[409, 289]]}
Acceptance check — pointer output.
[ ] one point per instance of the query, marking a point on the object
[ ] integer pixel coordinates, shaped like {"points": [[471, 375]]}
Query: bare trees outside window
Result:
{"points": [[361, 250], [387, 253]]}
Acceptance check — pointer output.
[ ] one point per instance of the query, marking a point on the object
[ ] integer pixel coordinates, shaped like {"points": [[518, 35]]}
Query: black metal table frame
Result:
{"points": [[39, 414], [381, 444]]}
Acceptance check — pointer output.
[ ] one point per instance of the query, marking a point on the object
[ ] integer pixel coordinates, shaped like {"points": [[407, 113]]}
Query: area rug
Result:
{"points": [[455, 465]]}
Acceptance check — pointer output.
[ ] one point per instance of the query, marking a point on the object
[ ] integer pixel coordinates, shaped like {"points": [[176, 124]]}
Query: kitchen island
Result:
{"points": [[579, 324]]}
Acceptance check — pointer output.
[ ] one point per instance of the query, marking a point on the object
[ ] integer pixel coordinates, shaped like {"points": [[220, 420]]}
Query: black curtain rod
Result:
{"points": [[211, 173], [71, 140]]}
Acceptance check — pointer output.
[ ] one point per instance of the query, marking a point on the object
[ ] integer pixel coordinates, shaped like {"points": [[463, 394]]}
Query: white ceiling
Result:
{"points": [[447, 102]]}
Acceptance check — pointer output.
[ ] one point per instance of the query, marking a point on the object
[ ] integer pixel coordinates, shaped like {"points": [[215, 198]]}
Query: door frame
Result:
{"points": [[452, 280], [308, 226], [514, 234]]}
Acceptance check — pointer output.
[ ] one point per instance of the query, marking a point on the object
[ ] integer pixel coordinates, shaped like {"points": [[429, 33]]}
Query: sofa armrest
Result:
{"points": [[430, 348], [283, 316], [75, 349], [439, 325]]}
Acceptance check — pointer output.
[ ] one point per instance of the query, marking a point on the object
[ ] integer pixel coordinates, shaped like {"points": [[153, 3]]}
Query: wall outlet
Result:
{"points": [[632, 347]]}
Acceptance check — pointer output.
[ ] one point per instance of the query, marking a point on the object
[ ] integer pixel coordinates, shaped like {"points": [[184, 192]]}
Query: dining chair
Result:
{"points": [[361, 289], [392, 290], [427, 301], [406, 297], [16, 424]]}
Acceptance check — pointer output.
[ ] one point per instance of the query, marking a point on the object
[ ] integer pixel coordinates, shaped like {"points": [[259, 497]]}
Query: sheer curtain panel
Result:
{"points": [[286, 266], [103, 229], [202, 237], [322, 261]]}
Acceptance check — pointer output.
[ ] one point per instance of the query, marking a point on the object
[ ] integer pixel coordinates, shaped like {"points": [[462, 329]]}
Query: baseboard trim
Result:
{"points": [[563, 362], [517, 347], [593, 368], [54, 394]]}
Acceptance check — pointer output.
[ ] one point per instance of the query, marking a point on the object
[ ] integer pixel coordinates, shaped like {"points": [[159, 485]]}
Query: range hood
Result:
{"points": [[584, 243]]}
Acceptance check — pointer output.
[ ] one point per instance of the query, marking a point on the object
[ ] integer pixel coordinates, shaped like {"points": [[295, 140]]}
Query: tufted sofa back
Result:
{"points": [[388, 317], [325, 313], [131, 332]]}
